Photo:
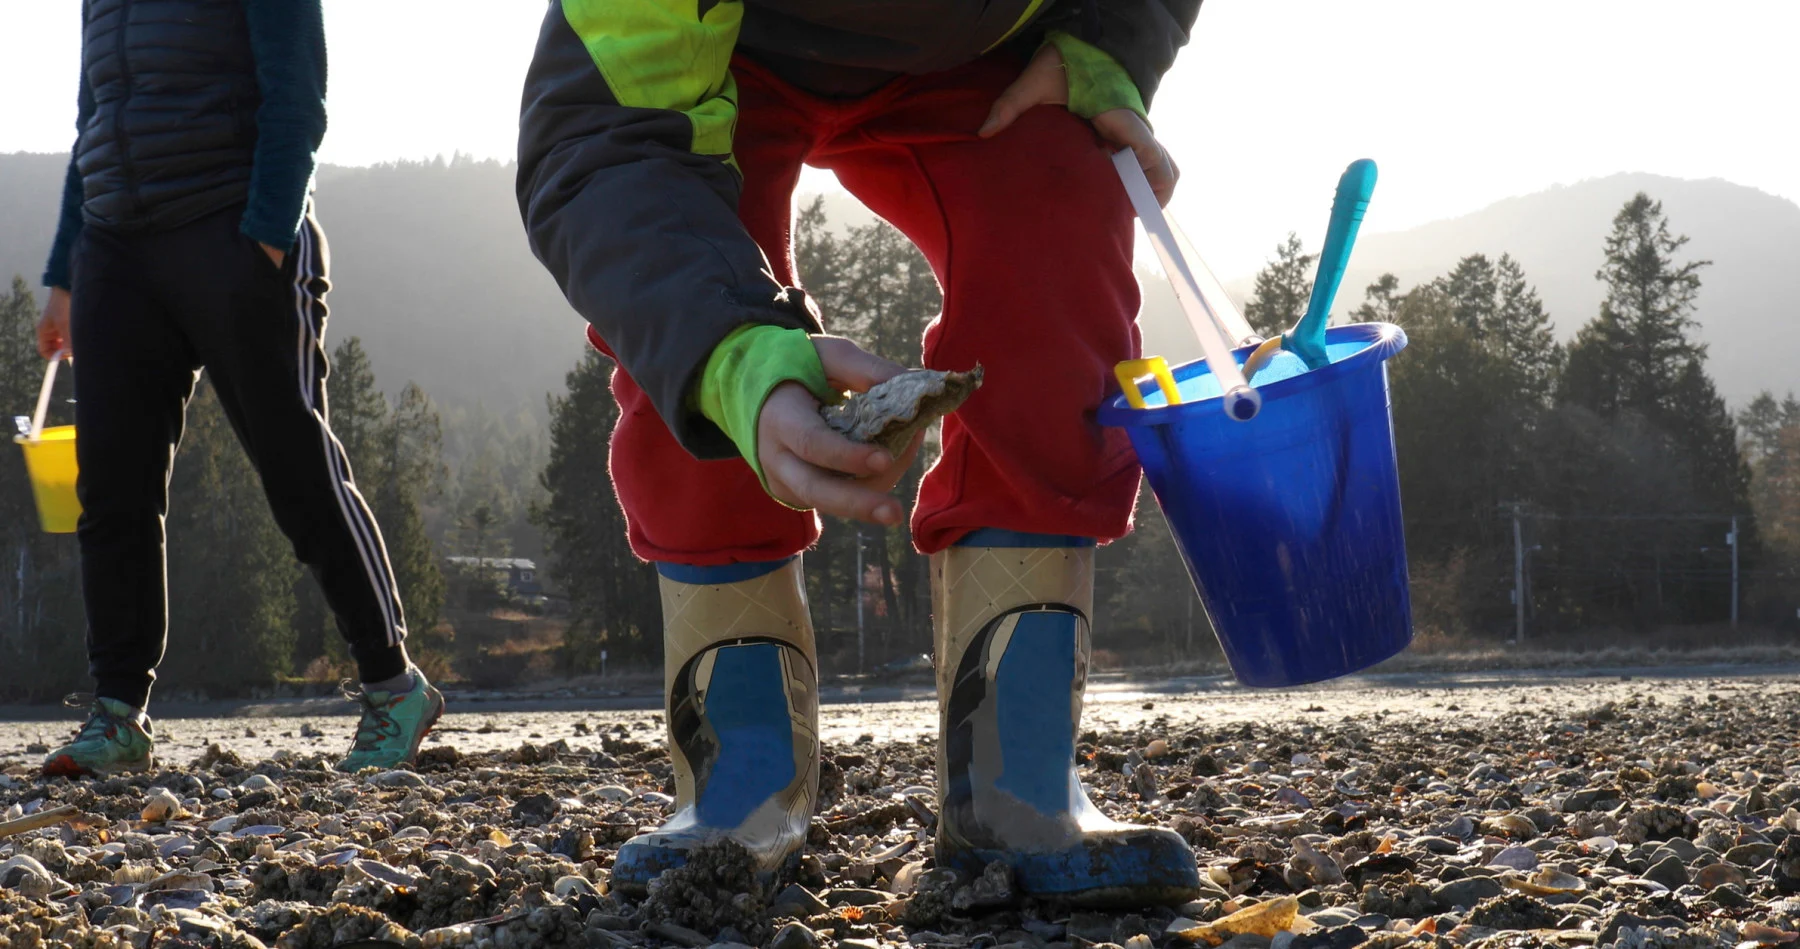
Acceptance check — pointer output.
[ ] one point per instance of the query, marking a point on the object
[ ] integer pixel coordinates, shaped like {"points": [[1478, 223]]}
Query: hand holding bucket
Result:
{"points": [[50, 462], [1289, 519]]}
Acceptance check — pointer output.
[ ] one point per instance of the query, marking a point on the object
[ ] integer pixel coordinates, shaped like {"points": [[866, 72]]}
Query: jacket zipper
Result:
{"points": [[126, 167]]}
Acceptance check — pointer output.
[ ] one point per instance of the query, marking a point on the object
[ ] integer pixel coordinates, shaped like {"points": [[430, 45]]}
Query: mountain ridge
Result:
{"points": [[431, 269]]}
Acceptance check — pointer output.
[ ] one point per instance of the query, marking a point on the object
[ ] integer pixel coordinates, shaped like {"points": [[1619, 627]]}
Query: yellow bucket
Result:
{"points": [[50, 460]]}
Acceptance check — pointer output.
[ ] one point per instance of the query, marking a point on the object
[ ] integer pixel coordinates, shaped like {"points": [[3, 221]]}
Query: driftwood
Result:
{"points": [[48, 817]]}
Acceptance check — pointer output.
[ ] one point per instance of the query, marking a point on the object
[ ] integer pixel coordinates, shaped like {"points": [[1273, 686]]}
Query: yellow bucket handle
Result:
{"points": [[1260, 356], [1131, 370], [43, 403]]}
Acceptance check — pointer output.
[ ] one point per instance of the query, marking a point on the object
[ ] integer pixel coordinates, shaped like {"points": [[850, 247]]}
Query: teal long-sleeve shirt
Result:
{"points": [[287, 39]]}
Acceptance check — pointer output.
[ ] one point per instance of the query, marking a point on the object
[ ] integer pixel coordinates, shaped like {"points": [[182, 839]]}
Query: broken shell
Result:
{"points": [[1546, 882], [160, 804]]}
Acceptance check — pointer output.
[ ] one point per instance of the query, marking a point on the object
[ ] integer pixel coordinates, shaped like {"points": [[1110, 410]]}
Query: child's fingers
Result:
{"points": [[852, 367], [803, 485], [790, 423]]}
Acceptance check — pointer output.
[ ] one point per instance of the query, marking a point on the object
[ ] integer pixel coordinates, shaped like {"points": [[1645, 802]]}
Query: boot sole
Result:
{"points": [[63, 766], [771, 882], [1121, 874]]}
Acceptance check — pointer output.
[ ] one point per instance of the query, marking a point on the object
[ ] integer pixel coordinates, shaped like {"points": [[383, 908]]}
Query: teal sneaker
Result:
{"points": [[115, 737], [393, 724]]}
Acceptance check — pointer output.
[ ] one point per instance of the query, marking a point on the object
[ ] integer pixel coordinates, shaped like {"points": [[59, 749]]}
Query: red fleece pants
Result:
{"points": [[1030, 236]]}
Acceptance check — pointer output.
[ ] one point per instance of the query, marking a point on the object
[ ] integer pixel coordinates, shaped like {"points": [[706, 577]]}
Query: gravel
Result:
{"points": [[1569, 812]]}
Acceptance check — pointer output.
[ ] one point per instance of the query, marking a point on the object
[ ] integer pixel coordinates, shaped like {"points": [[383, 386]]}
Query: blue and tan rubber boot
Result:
{"points": [[1011, 614], [740, 681]]}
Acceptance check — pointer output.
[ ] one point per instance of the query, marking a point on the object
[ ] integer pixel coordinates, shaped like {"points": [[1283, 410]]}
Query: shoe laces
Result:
{"points": [[377, 723], [101, 722]]}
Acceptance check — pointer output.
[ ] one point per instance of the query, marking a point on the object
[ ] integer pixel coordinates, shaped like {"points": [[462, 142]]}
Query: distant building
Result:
{"points": [[519, 574]]}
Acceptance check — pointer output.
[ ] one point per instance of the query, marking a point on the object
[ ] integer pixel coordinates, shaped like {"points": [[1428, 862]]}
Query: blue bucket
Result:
{"points": [[1290, 522]]}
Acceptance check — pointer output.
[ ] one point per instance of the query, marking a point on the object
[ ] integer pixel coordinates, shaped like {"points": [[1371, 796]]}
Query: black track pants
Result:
{"points": [[150, 311]]}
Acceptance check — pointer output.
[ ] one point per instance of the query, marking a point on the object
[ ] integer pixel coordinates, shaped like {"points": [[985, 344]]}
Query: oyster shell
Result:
{"points": [[890, 414]]}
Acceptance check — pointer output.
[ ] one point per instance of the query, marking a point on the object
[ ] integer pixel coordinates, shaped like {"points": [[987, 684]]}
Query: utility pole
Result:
{"points": [[1518, 578], [1733, 541], [859, 603], [1190, 626]]}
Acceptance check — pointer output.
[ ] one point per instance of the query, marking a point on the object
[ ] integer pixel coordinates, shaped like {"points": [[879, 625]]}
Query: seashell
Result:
{"points": [[1548, 881], [569, 887], [224, 824], [160, 804], [392, 876], [258, 782], [890, 414], [180, 880]]}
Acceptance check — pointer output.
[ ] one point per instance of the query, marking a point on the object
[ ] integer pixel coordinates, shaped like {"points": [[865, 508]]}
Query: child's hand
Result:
{"points": [[53, 326], [1044, 82], [807, 465]]}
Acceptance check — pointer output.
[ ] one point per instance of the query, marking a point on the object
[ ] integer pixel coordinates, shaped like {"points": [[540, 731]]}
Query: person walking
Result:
{"points": [[187, 242]]}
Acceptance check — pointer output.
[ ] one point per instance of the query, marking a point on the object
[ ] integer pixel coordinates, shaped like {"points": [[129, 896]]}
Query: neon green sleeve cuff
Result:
{"points": [[744, 368], [1097, 83]]}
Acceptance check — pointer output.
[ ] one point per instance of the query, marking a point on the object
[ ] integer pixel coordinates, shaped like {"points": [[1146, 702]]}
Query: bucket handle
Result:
{"points": [[1241, 402], [1131, 370], [43, 402]]}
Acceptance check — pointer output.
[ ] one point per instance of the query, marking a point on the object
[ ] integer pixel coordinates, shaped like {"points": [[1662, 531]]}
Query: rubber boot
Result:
{"points": [[1012, 656], [741, 687]]}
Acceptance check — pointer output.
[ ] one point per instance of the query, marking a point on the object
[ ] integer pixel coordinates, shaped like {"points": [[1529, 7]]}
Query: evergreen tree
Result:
{"points": [[1381, 301], [358, 412], [1519, 334], [1279, 297], [1632, 356], [412, 470], [614, 602], [1760, 424], [41, 618]]}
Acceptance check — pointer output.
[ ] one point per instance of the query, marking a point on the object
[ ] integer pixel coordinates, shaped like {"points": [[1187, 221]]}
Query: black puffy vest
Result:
{"points": [[174, 123]]}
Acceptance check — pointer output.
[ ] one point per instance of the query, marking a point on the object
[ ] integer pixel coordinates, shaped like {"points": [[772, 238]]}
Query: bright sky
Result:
{"points": [[1460, 103]]}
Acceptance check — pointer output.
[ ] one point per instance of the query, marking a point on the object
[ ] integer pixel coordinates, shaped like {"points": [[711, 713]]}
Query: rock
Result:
{"points": [[1609, 929], [1336, 937], [854, 896], [1513, 911], [1729, 896], [1590, 799], [1717, 875], [1515, 857], [1468, 892], [398, 779], [794, 936], [1669, 871], [992, 890], [1751, 855], [25, 874], [797, 900], [534, 808]]}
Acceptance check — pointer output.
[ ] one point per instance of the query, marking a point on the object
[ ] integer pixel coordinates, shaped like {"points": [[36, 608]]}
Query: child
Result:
{"points": [[660, 144], [187, 242]]}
